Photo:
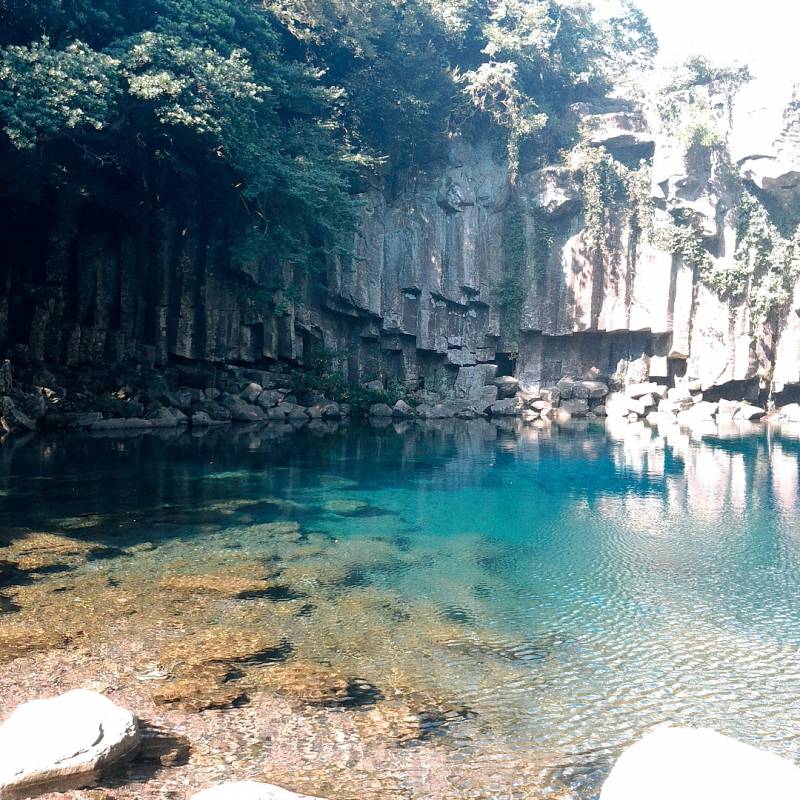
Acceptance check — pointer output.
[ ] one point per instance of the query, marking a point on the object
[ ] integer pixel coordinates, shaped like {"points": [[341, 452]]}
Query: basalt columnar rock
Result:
{"points": [[417, 302], [63, 743]]}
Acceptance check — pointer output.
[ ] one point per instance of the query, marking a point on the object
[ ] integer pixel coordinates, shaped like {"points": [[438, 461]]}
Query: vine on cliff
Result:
{"points": [[509, 293], [767, 260], [612, 193]]}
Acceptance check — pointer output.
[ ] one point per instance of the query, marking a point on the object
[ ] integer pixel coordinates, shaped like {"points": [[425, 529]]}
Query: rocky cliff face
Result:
{"points": [[419, 301]]}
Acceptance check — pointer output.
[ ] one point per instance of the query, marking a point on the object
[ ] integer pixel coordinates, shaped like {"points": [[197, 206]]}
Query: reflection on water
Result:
{"points": [[514, 605]]}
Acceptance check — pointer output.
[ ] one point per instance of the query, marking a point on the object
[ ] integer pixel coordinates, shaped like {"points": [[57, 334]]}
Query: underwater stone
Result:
{"points": [[699, 764], [63, 743]]}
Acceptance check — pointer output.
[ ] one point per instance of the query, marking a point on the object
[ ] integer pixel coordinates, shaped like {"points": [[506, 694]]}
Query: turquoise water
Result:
{"points": [[565, 588]]}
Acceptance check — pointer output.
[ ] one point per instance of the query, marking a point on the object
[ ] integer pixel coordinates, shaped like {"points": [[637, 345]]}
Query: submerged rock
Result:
{"points": [[63, 743], [209, 687], [19, 639], [216, 583], [699, 764], [249, 790], [345, 506]]}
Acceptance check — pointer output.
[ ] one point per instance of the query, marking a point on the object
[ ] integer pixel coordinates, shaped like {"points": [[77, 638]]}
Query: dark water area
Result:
{"points": [[551, 592]]}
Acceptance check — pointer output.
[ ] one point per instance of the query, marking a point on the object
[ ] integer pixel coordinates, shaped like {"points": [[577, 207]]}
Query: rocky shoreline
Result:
{"points": [[137, 397], [76, 740]]}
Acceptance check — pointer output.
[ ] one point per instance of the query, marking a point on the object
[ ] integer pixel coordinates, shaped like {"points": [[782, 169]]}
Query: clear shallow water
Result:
{"points": [[556, 592]]}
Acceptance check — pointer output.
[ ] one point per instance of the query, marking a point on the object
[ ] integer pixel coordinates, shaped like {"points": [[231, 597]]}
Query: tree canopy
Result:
{"points": [[282, 108]]}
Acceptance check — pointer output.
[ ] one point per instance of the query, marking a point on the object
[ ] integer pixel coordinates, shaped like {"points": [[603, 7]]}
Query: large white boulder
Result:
{"points": [[699, 764], [620, 405], [63, 743], [249, 790]]}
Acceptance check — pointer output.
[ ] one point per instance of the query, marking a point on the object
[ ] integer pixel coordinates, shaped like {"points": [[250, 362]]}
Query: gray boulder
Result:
{"points": [[749, 412], [577, 407], [380, 410], [589, 390], [63, 743], [269, 398], [510, 407], [401, 410], [12, 419], [506, 386], [251, 392], [566, 388], [621, 405], [637, 390], [121, 424], [331, 411], [242, 411]]}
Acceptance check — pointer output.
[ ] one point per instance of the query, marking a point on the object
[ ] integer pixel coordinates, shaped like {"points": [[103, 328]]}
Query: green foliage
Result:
{"points": [[612, 193], [696, 103], [323, 373], [270, 113], [767, 261], [509, 293], [182, 95], [682, 237], [543, 55]]}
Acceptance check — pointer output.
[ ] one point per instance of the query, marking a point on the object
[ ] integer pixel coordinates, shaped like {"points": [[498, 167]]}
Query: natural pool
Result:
{"points": [[457, 610]]}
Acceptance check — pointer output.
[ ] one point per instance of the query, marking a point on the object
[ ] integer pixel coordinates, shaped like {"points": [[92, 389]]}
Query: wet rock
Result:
{"points": [[269, 398], [76, 419], [200, 419], [251, 392], [589, 390], [332, 411], [511, 407], [63, 743], [345, 506], [213, 652], [17, 640], [287, 410], [217, 583], [210, 687], [402, 410], [249, 790], [307, 682], [167, 418], [566, 387], [380, 410], [506, 387], [699, 764], [12, 419], [242, 411], [576, 407], [121, 424], [43, 551]]}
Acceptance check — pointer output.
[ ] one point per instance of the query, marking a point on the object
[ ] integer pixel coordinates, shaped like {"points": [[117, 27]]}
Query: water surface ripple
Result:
{"points": [[550, 593]]}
